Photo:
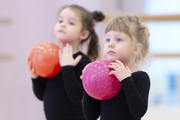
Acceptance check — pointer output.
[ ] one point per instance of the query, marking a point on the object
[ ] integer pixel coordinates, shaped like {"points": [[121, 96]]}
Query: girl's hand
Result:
{"points": [[119, 70], [66, 56], [31, 71], [84, 70]]}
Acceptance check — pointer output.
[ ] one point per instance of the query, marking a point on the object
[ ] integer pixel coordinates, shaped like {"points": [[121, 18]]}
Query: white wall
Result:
{"points": [[32, 22]]}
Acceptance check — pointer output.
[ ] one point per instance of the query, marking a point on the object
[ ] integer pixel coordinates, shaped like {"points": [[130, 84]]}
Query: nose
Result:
{"points": [[111, 44], [63, 24]]}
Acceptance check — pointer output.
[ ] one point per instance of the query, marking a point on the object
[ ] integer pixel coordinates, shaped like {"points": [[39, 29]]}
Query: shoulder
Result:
{"points": [[141, 75]]}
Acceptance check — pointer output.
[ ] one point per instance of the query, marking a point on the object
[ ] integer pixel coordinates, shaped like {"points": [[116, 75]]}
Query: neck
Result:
{"points": [[133, 67], [75, 47]]}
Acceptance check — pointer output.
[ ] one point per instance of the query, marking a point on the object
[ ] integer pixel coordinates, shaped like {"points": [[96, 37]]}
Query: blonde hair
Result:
{"points": [[135, 29]]}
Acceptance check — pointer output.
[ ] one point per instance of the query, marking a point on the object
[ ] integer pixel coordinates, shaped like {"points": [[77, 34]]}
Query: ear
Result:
{"points": [[84, 34], [137, 49]]}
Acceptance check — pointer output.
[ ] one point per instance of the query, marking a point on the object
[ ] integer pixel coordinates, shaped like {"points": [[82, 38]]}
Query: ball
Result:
{"points": [[97, 83], [44, 58]]}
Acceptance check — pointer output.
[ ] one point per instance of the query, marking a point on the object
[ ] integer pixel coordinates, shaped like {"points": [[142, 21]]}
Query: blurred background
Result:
{"points": [[25, 23]]}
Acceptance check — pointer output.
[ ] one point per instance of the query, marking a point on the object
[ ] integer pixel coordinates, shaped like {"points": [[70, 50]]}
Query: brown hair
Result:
{"points": [[88, 22], [135, 29]]}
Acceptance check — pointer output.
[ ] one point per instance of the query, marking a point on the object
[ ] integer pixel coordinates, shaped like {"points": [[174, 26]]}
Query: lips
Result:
{"points": [[61, 31], [110, 52]]}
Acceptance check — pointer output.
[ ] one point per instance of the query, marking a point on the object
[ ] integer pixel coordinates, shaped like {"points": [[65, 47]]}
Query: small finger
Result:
{"points": [[111, 72], [70, 49], [60, 52], [81, 77], [29, 65], [119, 62], [113, 65], [77, 59]]}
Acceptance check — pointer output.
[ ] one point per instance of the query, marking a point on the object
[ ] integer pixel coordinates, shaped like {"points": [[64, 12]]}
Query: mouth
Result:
{"points": [[110, 52], [61, 31]]}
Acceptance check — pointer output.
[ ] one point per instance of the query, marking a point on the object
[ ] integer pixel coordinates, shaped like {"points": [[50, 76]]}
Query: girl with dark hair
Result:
{"points": [[62, 94]]}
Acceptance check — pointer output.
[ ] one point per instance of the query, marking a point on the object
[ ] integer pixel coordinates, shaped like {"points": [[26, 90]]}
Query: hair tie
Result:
{"points": [[147, 29]]}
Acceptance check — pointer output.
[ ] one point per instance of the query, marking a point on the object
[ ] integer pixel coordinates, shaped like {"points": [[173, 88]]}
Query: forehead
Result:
{"points": [[115, 33], [119, 34], [69, 13]]}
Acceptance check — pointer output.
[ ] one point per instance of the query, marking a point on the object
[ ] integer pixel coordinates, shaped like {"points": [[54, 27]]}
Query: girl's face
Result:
{"points": [[118, 46], [68, 27]]}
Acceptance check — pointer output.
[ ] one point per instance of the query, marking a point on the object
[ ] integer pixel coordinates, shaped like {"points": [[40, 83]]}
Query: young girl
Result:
{"points": [[126, 45], [62, 94]]}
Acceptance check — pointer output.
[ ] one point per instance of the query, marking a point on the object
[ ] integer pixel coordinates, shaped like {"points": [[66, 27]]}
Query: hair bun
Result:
{"points": [[98, 16]]}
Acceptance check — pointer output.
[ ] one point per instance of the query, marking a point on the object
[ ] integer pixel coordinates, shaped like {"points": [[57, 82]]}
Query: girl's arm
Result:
{"points": [[72, 81], [39, 87], [137, 90], [91, 107]]}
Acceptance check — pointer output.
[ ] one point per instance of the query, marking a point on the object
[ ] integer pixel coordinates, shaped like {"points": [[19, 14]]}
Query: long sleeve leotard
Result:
{"points": [[62, 94], [130, 103]]}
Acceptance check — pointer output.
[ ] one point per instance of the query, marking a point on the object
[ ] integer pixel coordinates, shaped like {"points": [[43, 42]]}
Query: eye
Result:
{"points": [[71, 23], [60, 21], [107, 40], [118, 40]]}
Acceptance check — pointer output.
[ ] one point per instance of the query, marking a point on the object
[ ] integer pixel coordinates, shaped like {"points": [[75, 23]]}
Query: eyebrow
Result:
{"points": [[116, 35], [68, 18], [107, 35]]}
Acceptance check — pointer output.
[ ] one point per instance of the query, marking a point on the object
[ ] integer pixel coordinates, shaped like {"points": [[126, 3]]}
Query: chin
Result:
{"points": [[111, 59], [61, 40]]}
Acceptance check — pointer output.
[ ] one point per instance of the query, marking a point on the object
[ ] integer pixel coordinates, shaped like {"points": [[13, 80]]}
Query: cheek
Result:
{"points": [[55, 29], [105, 48], [103, 51]]}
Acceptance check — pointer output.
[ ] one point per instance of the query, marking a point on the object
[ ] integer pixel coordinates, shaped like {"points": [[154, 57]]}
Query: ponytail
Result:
{"points": [[93, 48]]}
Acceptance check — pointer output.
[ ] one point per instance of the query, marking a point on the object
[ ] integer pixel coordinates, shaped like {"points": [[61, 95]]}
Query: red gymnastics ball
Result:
{"points": [[97, 83], [44, 58]]}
